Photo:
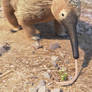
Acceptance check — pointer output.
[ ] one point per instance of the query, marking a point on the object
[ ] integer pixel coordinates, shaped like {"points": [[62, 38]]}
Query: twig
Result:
{"points": [[5, 74]]}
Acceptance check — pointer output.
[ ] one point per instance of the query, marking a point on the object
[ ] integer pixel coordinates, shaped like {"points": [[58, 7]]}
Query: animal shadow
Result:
{"points": [[84, 37]]}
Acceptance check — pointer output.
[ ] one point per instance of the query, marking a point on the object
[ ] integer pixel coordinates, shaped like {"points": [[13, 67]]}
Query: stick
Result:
{"points": [[5, 74]]}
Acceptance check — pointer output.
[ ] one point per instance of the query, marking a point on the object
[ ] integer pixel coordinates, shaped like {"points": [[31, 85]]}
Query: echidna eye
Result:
{"points": [[63, 14]]}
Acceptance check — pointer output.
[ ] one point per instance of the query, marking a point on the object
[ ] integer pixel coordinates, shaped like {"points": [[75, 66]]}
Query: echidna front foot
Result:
{"points": [[14, 30]]}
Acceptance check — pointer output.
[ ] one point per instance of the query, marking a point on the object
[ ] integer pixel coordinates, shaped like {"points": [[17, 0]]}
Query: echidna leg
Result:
{"points": [[9, 13], [31, 32]]}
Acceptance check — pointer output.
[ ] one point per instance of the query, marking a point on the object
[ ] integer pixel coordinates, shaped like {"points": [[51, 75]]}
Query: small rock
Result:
{"points": [[56, 90], [50, 83], [1, 9], [49, 71], [63, 69], [33, 90], [12, 66], [66, 61], [46, 75], [37, 45], [54, 60], [54, 64], [43, 89], [4, 48], [34, 77], [41, 83], [54, 46], [62, 54], [70, 77], [36, 37]]}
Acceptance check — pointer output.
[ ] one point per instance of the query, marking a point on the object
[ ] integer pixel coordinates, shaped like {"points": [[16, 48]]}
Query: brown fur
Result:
{"points": [[19, 11], [24, 13], [9, 13]]}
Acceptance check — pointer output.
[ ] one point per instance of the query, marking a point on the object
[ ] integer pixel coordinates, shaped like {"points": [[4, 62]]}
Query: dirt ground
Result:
{"points": [[22, 66]]}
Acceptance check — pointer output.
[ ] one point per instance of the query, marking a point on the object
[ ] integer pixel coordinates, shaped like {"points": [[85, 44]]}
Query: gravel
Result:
{"points": [[43, 89], [54, 46], [33, 90], [54, 60], [41, 83], [46, 75], [56, 90]]}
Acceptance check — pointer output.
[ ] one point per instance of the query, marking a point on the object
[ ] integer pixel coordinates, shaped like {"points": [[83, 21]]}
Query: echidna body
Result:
{"points": [[26, 13]]}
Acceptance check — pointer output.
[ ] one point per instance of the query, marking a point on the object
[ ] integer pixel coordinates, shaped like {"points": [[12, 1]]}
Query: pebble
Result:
{"points": [[54, 64], [63, 69], [54, 46], [37, 45], [49, 71], [33, 90], [41, 83], [43, 89], [4, 48], [62, 54], [66, 61], [36, 37], [1, 9], [54, 60], [70, 77], [50, 83], [46, 75], [56, 90]]}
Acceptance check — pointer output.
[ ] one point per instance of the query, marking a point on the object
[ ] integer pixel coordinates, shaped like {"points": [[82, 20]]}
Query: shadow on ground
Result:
{"points": [[84, 37]]}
